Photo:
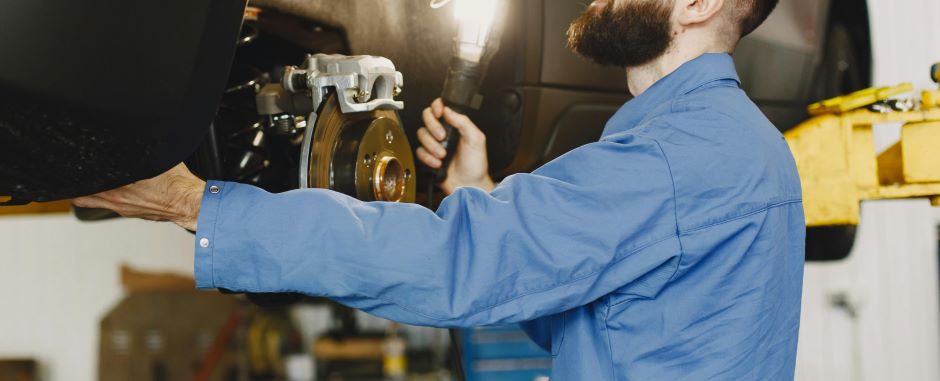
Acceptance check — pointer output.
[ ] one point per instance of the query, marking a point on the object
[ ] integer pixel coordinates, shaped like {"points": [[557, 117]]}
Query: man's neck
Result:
{"points": [[640, 78]]}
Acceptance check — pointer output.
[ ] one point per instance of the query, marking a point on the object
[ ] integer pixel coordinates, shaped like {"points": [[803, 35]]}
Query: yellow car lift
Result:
{"points": [[836, 158]]}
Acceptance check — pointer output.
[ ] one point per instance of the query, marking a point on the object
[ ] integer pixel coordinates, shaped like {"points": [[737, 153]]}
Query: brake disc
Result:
{"points": [[365, 155]]}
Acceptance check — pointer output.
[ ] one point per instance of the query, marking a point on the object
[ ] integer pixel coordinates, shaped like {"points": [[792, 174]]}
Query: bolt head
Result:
{"points": [[363, 96]]}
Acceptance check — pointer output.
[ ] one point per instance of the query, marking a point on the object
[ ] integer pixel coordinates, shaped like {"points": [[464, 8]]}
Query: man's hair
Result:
{"points": [[751, 13]]}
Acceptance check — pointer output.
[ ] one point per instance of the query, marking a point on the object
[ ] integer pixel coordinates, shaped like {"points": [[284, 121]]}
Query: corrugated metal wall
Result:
{"points": [[891, 279]]}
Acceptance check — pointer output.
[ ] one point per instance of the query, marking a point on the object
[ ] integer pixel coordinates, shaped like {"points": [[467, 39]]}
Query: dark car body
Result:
{"points": [[540, 100], [96, 94]]}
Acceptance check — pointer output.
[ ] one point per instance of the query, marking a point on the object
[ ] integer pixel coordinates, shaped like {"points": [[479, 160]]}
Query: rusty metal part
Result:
{"points": [[364, 155]]}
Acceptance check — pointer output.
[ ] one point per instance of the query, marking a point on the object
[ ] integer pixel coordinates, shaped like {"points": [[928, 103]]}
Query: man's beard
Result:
{"points": [[633, 34]]}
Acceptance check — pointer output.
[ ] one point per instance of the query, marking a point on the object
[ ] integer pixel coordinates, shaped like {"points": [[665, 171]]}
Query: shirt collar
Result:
{"points": [[691, 76]]}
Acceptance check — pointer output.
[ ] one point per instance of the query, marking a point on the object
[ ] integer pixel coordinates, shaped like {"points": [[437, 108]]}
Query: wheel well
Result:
{"points": [[853, 15]]}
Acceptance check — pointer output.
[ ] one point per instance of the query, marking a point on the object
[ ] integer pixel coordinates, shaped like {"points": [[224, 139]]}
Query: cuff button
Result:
{"points": [[214, 189]]}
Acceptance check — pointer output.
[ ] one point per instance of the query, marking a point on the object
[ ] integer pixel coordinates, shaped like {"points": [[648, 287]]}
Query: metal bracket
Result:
{"points": [[362, 83]]}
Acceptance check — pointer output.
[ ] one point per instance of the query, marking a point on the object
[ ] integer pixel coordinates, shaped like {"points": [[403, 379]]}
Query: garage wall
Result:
{"points": [[59, 277], [875, 315], [906, 40]]}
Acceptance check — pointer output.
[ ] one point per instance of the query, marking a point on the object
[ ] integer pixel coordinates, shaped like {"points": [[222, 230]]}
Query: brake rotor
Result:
{"points": [[365, 155]]}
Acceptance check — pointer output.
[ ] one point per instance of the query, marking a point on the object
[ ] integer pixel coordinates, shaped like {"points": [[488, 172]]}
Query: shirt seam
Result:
{"points": [[716, 82], [744, 215], [564, 328], [675, 208], [610, 345], [726, 115]]}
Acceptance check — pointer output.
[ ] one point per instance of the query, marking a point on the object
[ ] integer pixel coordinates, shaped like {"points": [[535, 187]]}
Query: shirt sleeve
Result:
{"points": [[584, 225]]}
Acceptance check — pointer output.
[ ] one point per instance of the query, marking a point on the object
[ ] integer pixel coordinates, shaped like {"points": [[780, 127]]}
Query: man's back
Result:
{"points": [[728, 307]]}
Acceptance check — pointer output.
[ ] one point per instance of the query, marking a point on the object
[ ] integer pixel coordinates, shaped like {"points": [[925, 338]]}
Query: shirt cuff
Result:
{"points": [[203, 266]]}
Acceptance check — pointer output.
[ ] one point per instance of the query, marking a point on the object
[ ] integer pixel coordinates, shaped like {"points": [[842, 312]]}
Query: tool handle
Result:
{"points": [[450, 142]]}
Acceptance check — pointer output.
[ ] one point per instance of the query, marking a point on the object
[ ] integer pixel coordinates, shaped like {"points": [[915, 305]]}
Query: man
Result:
{"points": [[671, 249]]}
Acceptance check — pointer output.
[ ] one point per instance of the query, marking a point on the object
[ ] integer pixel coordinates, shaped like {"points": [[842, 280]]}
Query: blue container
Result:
{"points": [[503, 353]]}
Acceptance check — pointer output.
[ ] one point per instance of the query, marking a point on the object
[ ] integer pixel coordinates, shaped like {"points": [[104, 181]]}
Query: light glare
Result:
{"points": [[475, 20]]}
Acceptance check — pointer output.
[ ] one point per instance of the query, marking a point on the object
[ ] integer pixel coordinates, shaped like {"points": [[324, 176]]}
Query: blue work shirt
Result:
{"points": [[671, 249]]}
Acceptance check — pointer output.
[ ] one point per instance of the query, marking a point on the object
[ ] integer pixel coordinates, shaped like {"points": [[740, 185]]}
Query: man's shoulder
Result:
{"points": [[720, 110], [723, 153], [718, 120]]}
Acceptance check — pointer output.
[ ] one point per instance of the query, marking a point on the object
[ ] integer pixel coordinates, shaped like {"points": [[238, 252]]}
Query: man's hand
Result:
{"points": [[469, 167], [174, 196]]}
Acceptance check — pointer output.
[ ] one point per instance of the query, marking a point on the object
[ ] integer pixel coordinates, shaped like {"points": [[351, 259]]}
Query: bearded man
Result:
{"points": [[671, 249]]}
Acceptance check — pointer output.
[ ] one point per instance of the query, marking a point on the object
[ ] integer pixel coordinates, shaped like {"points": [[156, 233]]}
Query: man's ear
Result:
{"points": [[691, 12]]}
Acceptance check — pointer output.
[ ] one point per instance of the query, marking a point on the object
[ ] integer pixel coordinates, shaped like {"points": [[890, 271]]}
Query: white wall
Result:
{"points": [[891, 282], [891, 276], [58, 277]]}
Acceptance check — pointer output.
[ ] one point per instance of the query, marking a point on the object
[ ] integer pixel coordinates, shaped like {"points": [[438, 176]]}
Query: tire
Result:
{"points": [[829, 243], [842, 71]]}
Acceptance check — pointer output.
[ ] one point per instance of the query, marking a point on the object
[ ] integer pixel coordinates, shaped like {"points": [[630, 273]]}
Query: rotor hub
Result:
{"points": [[365, 155]]}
